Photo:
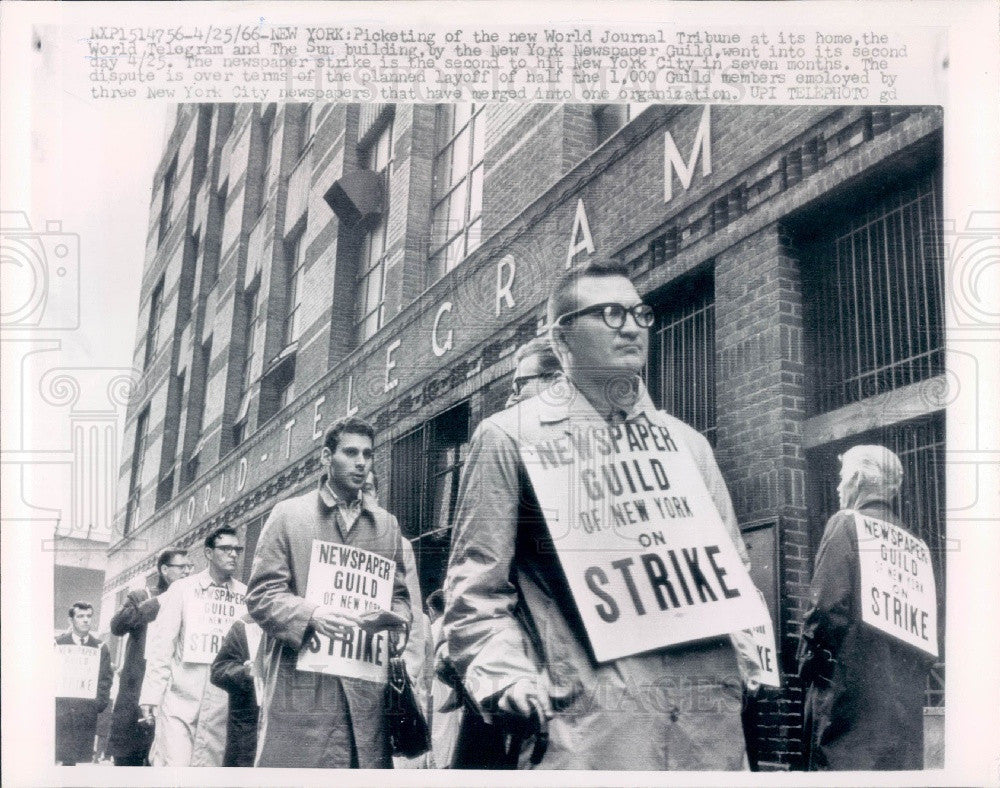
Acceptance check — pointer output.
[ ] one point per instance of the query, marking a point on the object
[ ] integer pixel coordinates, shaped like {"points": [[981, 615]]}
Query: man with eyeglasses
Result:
{"points": [[195, 614], [130, 739], [536, 366], [514, 630]]}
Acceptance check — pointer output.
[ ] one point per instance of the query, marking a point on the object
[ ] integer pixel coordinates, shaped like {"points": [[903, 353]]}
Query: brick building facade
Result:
{"points": [[305, 262]]}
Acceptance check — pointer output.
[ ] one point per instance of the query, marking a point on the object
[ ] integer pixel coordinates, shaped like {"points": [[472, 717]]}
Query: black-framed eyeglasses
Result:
{"points": [[230, 548], [614, 314], [180, 566], [518, 384]]}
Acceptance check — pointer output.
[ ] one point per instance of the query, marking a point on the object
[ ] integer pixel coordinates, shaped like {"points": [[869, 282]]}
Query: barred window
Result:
{"points": [[167, 205], [295, 257], [266, 134], [138, 463], [153, 329], [874, 298], [374, 252], [456, 215], [426, 465], [252, 307], [682, 357]]}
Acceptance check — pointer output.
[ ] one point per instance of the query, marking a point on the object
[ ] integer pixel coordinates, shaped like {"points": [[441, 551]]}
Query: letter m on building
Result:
{"points": [[672, 158]]}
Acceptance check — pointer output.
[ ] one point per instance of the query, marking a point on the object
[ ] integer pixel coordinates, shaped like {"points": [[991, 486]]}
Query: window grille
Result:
{"points": [[682, 357], [874, 296], [426, 466]]}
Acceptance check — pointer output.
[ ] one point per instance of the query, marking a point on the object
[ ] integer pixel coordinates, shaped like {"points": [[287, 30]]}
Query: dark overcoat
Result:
{"points": [[76, 718], [313, 719], [129, 738], [229, 672], [864, 701]]}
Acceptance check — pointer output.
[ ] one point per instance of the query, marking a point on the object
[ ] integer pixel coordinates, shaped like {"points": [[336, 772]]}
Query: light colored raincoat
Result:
{"points": [[510, 615], [191, 718]]}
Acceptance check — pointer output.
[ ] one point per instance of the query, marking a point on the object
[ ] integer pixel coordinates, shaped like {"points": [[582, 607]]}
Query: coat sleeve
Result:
{"points": [[401, 602], [161, 642], [273, 598], [832, 592], [136, 612], [229, 670], [486, 643], [105, 677], [705, 458], [416, 644]]}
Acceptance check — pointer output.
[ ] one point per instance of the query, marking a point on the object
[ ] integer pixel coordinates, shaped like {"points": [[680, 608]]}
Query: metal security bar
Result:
{"points": [[920, 446], [682, 358], [877, 299]]}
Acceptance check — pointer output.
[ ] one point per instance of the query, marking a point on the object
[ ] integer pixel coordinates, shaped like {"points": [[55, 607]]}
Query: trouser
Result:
{"points": [[132, 759]]}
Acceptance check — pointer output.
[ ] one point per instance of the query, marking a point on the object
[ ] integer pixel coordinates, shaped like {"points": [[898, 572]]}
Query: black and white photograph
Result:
{"points": [[633, 438]]}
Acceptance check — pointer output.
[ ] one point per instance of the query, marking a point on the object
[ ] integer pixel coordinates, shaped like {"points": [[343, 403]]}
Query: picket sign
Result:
{"points": [[647, 557], [354, 581], [77, 668], [898, 594]]}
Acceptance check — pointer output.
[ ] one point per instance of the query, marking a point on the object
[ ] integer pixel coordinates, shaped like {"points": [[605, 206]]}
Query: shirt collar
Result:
{"points": [[330, 500], [566, 401], [204, 580]]}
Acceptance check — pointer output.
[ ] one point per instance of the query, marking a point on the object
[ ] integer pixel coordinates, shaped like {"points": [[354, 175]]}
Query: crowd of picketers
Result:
{"points": [[499, 658]]}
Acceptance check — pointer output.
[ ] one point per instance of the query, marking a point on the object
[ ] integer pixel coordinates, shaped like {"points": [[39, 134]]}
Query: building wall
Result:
{"points": [[734, 209]]}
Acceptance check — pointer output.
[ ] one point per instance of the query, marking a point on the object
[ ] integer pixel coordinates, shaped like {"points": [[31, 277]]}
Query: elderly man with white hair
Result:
{"points": [[865, 688]]}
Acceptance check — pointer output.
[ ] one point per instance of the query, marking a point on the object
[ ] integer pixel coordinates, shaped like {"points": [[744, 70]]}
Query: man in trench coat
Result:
{"points": [[189, 711], [233, 671], [130, 739], [76, 718], [865, 688], [513, 629], [315, 719]]}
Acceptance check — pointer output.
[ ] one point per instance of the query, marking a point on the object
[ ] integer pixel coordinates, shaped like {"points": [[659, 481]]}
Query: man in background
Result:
{"points": [[195, 615], [864, 687], [536, 366], [130, 739], [76, 717]]}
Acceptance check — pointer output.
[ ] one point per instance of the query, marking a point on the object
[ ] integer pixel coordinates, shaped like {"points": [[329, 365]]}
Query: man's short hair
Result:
{"points": [[563, 298], [80, 606], [351, 425], [213, 537], [878, 468], [541, 347], [167, 556]]}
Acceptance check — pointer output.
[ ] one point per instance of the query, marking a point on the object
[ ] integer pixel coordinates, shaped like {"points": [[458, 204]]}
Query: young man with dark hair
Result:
{"points": [[514, 629], [130, 739], [76, 716], [195, 614], [311, 718]]}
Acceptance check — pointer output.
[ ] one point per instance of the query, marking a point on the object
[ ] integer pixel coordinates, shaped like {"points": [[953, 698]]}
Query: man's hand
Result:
{"points": [[524, 698], [148, 714], [331, 622]]}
